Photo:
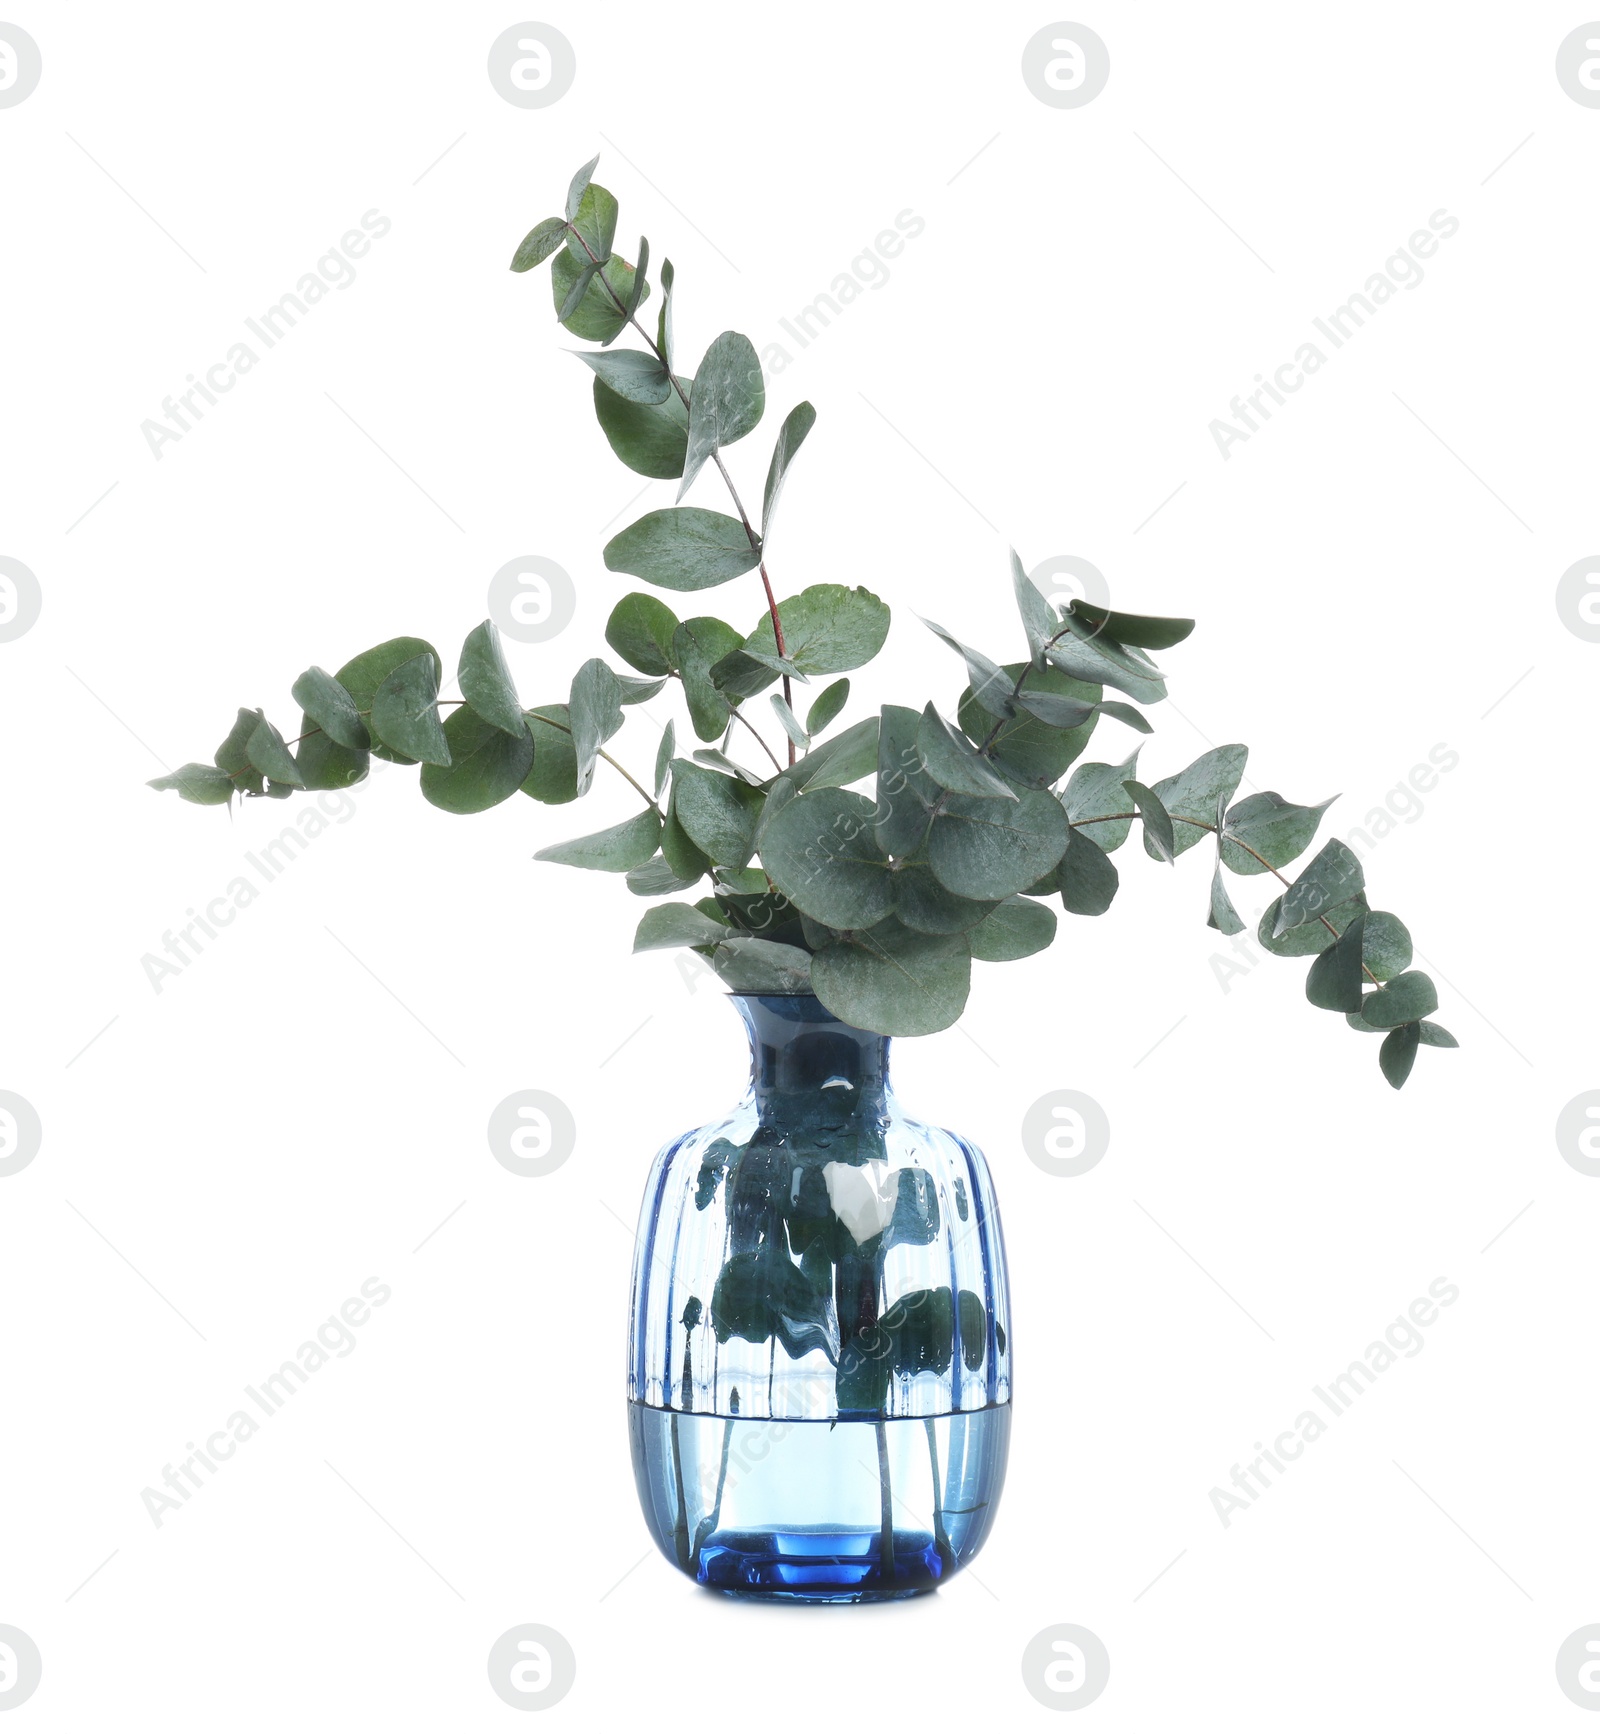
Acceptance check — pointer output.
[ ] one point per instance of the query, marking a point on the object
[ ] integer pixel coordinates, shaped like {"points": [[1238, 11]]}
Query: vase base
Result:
{"points": [[821, 1565], [821, 1511]]}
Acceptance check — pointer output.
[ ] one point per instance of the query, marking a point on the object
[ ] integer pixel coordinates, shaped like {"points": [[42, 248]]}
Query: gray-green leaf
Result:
{"points": [[1157, 823], [1398, 1053], [991, 685], [1039, 621], [405, 712], [1333, 877], [1334, 980], [683, 548], [1096, 791], [1030, 750], [1403, 1000], [796, 425], [827, 705], [664, 752], [594, 709], [893, 981], [204, 785], [698, 645], [675, 924], [554, 776], [650, 438], [847, 758], [640, 630], [1018, 928], [1310, 937], [634, 375], [990, 849], [1386, 950], [906, 793], [1195, 794], [597, 315], [271, 757], [539, 243], [331, 708], [487, 765], [821, 853], [1150, 631], [717, 813], [1275, 829], [614, 850], [486, 682], [955, 763], [827, 629], [726, 402], [362, 675], [1224, 917], [924, 905], [1086, 876]]}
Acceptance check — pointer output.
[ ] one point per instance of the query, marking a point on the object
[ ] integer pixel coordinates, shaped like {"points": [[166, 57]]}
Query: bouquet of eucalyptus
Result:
{"points": [[977, 823]]}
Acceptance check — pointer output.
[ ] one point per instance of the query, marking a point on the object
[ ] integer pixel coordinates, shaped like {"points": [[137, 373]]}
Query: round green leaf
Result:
{"points": [[234, 753], [486, 682], [717, 813], [553, 778], [821, 853], [1386, 949], [728, 398], [271, 757], [539, 243], [204, 785], [682, 548], [597, 318], [827, 629], [1311, 937], [990, 849], [893, 981], [362, 675], [826, 706], [330, 708], [1398, 1053], [1031, 750], [405, 711], [1403, 1000], [1017, 928], [323, 763], [633, 374], [698, 645], [640, 631], [650, 438], [1086, 876], [1276, 830], [487, 765], [922, 903], [614, 850]]}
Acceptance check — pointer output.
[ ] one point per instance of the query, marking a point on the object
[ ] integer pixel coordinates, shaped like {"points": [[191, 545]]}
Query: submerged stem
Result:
{"points": [[886, 1506]]}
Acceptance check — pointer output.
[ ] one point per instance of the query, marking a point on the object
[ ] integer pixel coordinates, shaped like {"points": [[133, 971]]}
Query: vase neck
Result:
{"points": [[800, 1054]]}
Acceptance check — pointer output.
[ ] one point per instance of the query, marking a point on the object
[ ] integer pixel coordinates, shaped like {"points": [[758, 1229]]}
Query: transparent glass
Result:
{"points": [[819, 1360]]}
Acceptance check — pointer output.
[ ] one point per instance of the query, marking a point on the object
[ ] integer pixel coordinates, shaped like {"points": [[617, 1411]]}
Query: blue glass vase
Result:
{"points": [[819, 1359]]}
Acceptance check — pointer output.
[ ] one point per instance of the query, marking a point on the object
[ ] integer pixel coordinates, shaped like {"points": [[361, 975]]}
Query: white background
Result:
{"points": [[306, 1102]]}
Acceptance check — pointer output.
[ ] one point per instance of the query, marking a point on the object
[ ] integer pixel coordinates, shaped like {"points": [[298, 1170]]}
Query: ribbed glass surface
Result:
{"points": [[819, 1366]]}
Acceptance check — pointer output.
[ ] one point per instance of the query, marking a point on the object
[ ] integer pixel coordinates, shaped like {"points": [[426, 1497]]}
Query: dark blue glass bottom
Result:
{"points": [[825, 1511]]}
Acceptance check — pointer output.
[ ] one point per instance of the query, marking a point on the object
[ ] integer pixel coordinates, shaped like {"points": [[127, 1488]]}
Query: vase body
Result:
{"points": [[819, 1358]]}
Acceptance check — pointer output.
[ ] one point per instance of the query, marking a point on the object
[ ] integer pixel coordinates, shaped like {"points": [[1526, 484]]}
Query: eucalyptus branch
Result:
{"points": [[879, 908], [716, 457]]}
